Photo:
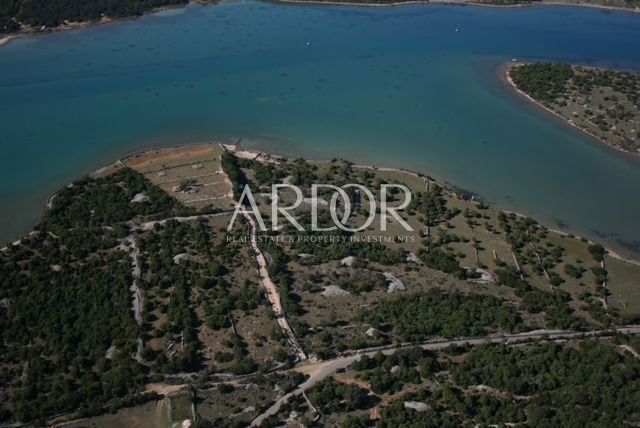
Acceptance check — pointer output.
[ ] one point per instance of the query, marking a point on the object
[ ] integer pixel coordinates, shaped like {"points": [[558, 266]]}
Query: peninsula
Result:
{"points": [[132, 304], [603, 103]]}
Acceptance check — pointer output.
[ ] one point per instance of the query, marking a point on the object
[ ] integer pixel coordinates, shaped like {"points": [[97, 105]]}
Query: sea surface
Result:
{"points": [[392, 86]]}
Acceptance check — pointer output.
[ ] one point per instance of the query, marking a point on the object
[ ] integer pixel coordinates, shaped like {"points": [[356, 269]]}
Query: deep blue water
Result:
{"points": [[394, 86]]}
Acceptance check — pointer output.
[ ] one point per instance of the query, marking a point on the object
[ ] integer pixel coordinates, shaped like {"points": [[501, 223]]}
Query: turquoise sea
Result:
{"points": [[392, 86]]}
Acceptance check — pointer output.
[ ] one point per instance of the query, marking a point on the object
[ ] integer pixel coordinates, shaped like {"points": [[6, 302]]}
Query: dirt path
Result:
{"points": [[630, 350], [134, 253], [150, 224], [272, 291], [321, 370]]}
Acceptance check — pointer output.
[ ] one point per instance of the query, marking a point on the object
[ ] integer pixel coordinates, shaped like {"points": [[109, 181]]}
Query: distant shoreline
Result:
{"points": [[7, 38], [460, 3], [76, 25], [505, 71]]}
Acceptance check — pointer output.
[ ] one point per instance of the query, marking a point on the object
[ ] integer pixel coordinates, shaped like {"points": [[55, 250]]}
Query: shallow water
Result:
{"points": [[392, 86]]}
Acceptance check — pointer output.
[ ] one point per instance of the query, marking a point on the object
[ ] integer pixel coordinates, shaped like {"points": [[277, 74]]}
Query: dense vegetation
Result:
{"points": [[388, 374], [451, 407], [76, 354], [419, 316], [589, 386], [581, 384], [106, 201], [185, 275], [331, 396], [443, 261], [231, 166], [181, 322], [68, 338], [543, 81], [51, 13]]}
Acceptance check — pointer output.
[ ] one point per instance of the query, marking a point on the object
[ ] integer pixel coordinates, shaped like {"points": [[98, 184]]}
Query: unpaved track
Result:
{"points": [[272, 291], [319, 371], [150, 224], [137, 298]]}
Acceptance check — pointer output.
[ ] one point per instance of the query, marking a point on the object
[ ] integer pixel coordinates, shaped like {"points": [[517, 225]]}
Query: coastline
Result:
{"points": [[461, 3], [77, 25], [619, 253], [64, 27], [6, 39], [234, 147], [401, 3], [505, 74], [258, 154], [118, 162], [594, 6]]}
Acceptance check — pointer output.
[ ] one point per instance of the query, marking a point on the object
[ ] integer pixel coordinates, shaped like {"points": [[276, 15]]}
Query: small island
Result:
{"points": [[603, 103]]}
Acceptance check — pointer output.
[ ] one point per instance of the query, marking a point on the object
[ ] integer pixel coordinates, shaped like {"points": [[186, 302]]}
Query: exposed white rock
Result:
{"points": [[110, 352], [485, 277], [416, 405], [347, 261], [319, 201], [412, 258], [394, 283], [334, 290], [140, 197], [182, 256]]}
